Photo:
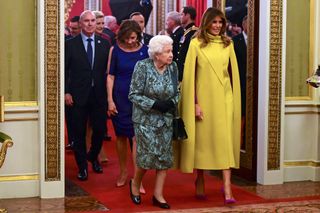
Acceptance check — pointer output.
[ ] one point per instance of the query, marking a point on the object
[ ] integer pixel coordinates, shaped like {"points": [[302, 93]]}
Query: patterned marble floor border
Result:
{"points": [[37, 205], [310, 206]]}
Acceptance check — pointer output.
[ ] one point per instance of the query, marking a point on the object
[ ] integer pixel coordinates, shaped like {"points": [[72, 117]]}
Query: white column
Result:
{"points": [[50, 189], [265, 176]]}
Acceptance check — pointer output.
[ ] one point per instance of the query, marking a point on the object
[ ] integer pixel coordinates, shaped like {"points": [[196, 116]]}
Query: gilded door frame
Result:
{"points": [[248, 156]]}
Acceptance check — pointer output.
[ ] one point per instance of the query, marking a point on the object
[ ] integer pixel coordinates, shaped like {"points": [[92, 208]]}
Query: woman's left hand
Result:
{"points": [[112, 109], [198, 112]]}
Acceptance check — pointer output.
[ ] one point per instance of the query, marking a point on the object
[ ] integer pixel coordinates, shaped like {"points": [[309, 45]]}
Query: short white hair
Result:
{"points": [[108, 20], [157, 44], [85, 12], [175, 16]]}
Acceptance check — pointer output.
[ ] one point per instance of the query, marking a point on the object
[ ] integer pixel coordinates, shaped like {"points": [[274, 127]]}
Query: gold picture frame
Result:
{"points": [[1, 108]]}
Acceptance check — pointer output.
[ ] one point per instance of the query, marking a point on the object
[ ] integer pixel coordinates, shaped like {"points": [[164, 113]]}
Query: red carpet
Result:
{"points": [[178, 191]]}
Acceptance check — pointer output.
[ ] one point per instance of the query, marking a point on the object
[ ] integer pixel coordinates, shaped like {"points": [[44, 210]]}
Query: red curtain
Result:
{"points": [[178, 5], [200, 5], [106, 8], [76, 9]]}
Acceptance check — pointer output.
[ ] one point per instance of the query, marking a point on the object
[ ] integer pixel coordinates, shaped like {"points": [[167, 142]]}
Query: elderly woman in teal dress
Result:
{"points": [[154, 98]]}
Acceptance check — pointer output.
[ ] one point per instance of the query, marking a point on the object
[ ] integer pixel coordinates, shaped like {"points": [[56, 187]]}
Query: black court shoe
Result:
{"points": [[156, 202], [83, 174], [96, 167], [136, 199]]}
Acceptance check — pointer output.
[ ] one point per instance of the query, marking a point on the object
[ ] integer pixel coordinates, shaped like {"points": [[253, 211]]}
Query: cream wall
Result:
{"points": [[24, 171], [302, 136], [19, 175]]}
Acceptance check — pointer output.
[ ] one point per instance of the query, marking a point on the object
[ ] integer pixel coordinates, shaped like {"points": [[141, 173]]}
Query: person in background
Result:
{"points": [[188, 16], [174, 29], [74, 27], [123, 57], [240, 48], [211, 105], [139, 18], [85, 91], [74, 30], [110, 28], [153, 92], [99, 28]]}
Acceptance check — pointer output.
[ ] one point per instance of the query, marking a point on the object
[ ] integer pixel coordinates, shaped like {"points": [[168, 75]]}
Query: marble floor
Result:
{"points": [[77, 200]]}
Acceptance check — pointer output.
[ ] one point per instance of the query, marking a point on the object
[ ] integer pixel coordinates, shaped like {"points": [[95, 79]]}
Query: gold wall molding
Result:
{"points": [[301, 163], [1, 108], [21, 104], [275, 85], [21, 111], [302, 105], [20, 119], [19, 178], [52, 90], [302, 113]]}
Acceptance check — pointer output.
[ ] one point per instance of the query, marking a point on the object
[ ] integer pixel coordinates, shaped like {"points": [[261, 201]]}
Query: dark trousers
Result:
{"points": [[68, 117], [96, 112]]}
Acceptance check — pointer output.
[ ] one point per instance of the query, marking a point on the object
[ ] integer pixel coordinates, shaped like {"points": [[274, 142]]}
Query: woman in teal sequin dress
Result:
{"points": [[154, 98]]}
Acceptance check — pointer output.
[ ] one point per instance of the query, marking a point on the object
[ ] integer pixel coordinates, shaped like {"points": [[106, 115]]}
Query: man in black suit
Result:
{"points": [[188, 16], [86, 57], [174, 29], [75, 29], [240, 48], [139, 18], [236, 10], [110, 27]]}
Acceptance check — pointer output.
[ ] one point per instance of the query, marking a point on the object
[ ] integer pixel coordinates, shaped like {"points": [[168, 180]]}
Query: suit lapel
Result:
{"points": [[208, 55], [243, 44], [97, 44]]}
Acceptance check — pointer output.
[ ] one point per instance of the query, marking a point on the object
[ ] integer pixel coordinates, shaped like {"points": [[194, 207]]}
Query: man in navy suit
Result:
{"points": [[240, 48], [86, 57], [139, 18]]}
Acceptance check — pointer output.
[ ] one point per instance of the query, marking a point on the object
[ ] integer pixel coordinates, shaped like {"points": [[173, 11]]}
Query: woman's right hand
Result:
{"points": [[198, 112], [112, 109]]}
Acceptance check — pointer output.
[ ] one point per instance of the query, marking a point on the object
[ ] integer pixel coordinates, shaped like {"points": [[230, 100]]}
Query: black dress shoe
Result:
{"points": [[136, 199], [156, 202], [69, 146], [107, 137], [83, 174], [96, 167]]}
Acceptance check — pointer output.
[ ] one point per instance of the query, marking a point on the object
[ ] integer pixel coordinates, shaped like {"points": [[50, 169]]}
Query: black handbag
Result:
{"points": [[179, 132]]}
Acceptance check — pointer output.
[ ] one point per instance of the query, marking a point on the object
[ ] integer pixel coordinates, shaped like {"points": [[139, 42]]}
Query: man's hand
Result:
{"points": [[68, 99]]}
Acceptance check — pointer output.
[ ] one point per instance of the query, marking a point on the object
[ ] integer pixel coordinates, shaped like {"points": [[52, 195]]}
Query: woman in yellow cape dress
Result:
{"points": [[210, 105]]}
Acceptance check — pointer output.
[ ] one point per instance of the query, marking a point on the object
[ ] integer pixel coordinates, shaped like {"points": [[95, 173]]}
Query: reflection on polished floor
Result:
{"points": [[305, 198]]}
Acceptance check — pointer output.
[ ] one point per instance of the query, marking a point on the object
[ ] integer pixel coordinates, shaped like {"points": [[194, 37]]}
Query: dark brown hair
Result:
{"points": [[127, 27], [206, 22]]}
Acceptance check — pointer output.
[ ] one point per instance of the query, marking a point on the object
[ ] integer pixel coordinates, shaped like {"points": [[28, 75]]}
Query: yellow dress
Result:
{"points": [[214, 142]]}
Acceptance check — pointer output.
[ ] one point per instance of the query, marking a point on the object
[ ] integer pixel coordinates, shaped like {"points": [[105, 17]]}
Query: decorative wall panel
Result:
{"points": [[52, 90], [275, 88]]}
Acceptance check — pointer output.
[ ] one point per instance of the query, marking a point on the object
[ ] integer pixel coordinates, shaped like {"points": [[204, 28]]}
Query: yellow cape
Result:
{"points": [[212, 143]]}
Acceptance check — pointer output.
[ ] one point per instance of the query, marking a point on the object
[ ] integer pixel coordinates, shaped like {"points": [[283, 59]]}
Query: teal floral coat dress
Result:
{"points": [[153, 129]]}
